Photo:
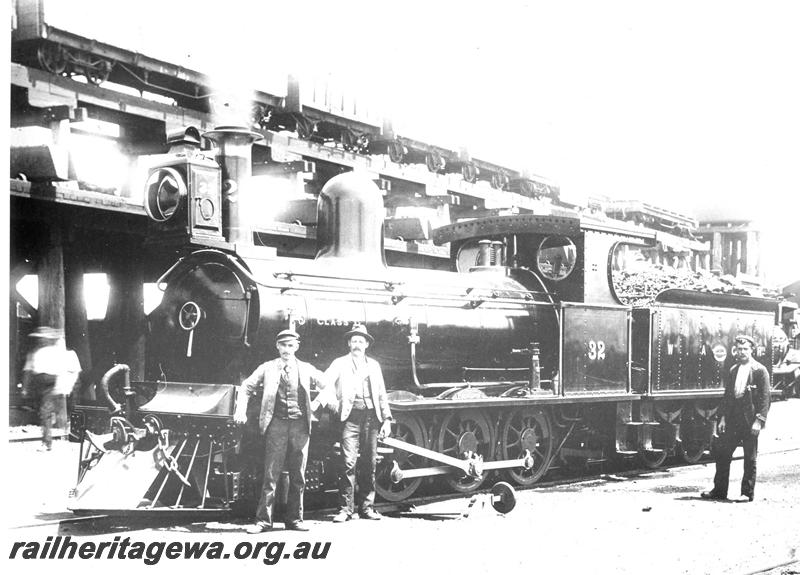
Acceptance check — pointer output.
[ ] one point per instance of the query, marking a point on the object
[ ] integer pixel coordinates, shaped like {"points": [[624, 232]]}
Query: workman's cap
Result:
{"points": [[47, 332], [359, 329], [286, 335], [745, 338]]}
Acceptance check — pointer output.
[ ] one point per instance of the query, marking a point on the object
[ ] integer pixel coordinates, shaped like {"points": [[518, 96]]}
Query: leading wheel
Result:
{"points": [[461, 434], [504, 498], [409, 429], [527, 430]]}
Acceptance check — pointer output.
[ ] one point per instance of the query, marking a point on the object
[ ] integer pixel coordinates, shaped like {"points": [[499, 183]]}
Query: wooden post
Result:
{"points": [[52, 303], [125, 315], [13, 347], [61, 137], [76, 322], [50, 269]]}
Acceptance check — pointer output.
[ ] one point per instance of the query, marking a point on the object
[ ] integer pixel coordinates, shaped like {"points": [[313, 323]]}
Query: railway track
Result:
{"points": [[608, 475], [106, 523]]}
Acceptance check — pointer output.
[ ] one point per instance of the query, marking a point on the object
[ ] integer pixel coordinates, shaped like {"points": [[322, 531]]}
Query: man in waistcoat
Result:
{"points": [[285, 421], [356, 392], [743, 414]]}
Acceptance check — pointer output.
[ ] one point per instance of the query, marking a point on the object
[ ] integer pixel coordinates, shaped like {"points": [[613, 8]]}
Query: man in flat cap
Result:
{"points": [[356, 392], [285, 421], [742, 416], [48, 376]]}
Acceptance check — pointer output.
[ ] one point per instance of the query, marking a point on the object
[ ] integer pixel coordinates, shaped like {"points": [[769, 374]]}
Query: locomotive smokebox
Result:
{"points": [[234, 155], [350, 222]]}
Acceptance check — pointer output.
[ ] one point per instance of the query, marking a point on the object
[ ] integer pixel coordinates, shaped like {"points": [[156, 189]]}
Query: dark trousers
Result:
{"points": [[286, 444], [50, 404], [737, 432], [359, 436]]}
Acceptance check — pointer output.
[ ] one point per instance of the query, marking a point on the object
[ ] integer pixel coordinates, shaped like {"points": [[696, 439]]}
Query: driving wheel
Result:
{"points": [[461, 434], [527, 431], [408, 428]]}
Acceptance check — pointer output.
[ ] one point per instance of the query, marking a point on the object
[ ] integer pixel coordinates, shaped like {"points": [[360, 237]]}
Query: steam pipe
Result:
{"points": [[412, 340], [114, 406]]}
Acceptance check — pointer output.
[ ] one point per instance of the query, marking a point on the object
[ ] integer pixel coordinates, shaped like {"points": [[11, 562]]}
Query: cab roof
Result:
{"points": [[535, 224]]}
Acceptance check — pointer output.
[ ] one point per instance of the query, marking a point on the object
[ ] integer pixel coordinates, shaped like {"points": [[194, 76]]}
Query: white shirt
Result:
{"points": [[56, 360], [46, 359], [742, 375]]}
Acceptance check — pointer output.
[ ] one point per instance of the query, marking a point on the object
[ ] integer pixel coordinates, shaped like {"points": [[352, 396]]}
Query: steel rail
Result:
{"points": [[393, 507]]}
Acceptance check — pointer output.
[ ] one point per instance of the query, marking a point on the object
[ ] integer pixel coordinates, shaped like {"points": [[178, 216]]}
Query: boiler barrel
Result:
{"points": [[468, 325]]}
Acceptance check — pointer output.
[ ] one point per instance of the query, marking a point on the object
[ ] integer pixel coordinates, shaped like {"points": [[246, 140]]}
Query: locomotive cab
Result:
{"points": [[569, 257]]}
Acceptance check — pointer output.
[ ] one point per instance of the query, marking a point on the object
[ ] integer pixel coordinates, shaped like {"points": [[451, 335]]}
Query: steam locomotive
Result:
{"points": [[519, 360]]}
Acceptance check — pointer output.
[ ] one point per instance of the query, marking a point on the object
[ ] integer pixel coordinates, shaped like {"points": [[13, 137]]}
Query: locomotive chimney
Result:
{"points": [[234, 155], [350, 221]]}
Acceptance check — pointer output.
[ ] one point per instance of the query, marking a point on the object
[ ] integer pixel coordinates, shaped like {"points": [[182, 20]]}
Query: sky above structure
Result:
{"points": [[689, 105]]}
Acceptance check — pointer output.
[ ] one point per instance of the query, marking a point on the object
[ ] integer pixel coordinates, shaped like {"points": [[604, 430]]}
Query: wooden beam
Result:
{"points": [[76, 321], [125, 318], [51, 278]]}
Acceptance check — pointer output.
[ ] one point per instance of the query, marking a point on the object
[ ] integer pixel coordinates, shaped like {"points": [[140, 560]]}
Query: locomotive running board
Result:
{"points": [[464, 465]]}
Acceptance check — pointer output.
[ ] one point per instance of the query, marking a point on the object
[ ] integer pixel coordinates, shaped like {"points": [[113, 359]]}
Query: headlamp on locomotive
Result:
{"points": [[183, 191]]}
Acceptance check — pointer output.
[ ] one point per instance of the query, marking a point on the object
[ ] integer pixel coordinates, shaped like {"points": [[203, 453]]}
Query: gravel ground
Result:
{"points": [[653, 523]]}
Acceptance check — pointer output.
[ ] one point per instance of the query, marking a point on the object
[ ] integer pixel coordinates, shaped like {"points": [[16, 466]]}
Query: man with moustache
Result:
{"points": [[356, 392], [285, 421]]}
